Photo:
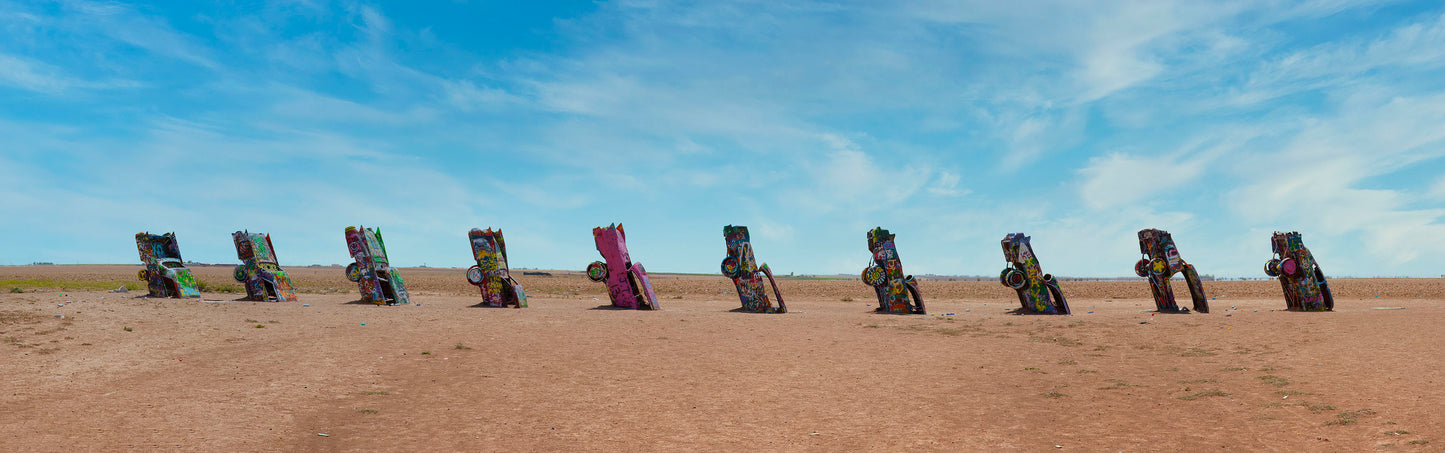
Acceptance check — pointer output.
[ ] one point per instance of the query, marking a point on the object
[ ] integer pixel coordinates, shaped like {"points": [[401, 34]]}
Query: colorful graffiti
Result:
{"points": [[165, 274], [378, 281], [259, 271], [1038, 292], [491, 275], [627, 282], [1304, 284], [747, 274], [885, 274], [1160, 262]]}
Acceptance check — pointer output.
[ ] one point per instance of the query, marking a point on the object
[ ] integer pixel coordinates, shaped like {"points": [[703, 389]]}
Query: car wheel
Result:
{"points": [[1141, 268], [1158, 266], [1003, 276], [143, 274], [474, 275], [1016, 279], [1289, 267], [353, 272], [731, 267], [597, 271], [1271, 268], [874, 276], [240, 274]]}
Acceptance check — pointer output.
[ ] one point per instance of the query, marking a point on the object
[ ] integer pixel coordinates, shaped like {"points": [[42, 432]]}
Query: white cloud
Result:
{"points": [[150, 33], [947, 185], [30, 75], [1437, 190], [1418, 46], [1314, 183], [1116, 179], [37, 76]]}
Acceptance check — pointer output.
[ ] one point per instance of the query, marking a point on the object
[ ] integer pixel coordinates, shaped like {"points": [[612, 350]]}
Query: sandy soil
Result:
{"points": [[121, 371]]}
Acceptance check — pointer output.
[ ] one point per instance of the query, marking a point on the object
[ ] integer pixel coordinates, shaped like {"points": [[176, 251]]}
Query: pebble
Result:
{"points": [[305, 305]]}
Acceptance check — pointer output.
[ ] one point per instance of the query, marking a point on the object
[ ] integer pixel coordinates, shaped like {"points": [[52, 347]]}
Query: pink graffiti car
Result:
{"points": [[627, 282]]}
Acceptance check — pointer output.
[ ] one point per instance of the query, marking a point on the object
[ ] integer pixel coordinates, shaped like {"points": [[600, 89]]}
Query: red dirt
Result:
{"points": [[831, 375]]}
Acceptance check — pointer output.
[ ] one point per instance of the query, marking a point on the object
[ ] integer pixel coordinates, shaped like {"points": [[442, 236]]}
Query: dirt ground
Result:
{"points": [[122, 371]]}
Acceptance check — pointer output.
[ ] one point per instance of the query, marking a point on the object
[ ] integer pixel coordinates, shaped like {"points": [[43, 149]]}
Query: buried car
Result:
{"points": [[259, 271], [1038, 292], [1305, 287], [885, 274], [1161, 261], [627, 283], [379, 282], [165, 274], [747, 274], [491, 275]]}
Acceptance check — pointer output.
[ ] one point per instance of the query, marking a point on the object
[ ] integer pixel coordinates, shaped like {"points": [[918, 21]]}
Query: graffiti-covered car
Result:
{"points": [[491, 275], [379, 282], [1305, 287], [627, 282], [747, 274], [1160, 262], [885, 274], [1038, 292], [165, 274], [259, 272]]}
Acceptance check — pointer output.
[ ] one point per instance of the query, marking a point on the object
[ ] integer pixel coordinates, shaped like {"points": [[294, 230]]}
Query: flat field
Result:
{"points": [[122, 371]]}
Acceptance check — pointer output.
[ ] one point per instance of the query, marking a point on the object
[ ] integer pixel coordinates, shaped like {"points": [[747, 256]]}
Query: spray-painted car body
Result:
{"points": [[885, 274], [627, 283], [259, 272], [491, 275], [1038, 292], [1160, 262], [747, 274], [379, 282], [165, 274], [1305, 287]]}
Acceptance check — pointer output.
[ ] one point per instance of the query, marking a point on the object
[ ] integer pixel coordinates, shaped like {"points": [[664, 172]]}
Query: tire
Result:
{"points": [[597, 271], [474, 275], [1141, 268], [353, 272], [731, 267], [143, 275], [1271, 267], [1003, 276], [1289, 267], [1158, 266], [1017, 279], [874, 276], [240, 274]]}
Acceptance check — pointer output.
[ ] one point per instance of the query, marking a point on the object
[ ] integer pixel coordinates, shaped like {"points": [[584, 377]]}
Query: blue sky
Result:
{"points": [[951, 123]]}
